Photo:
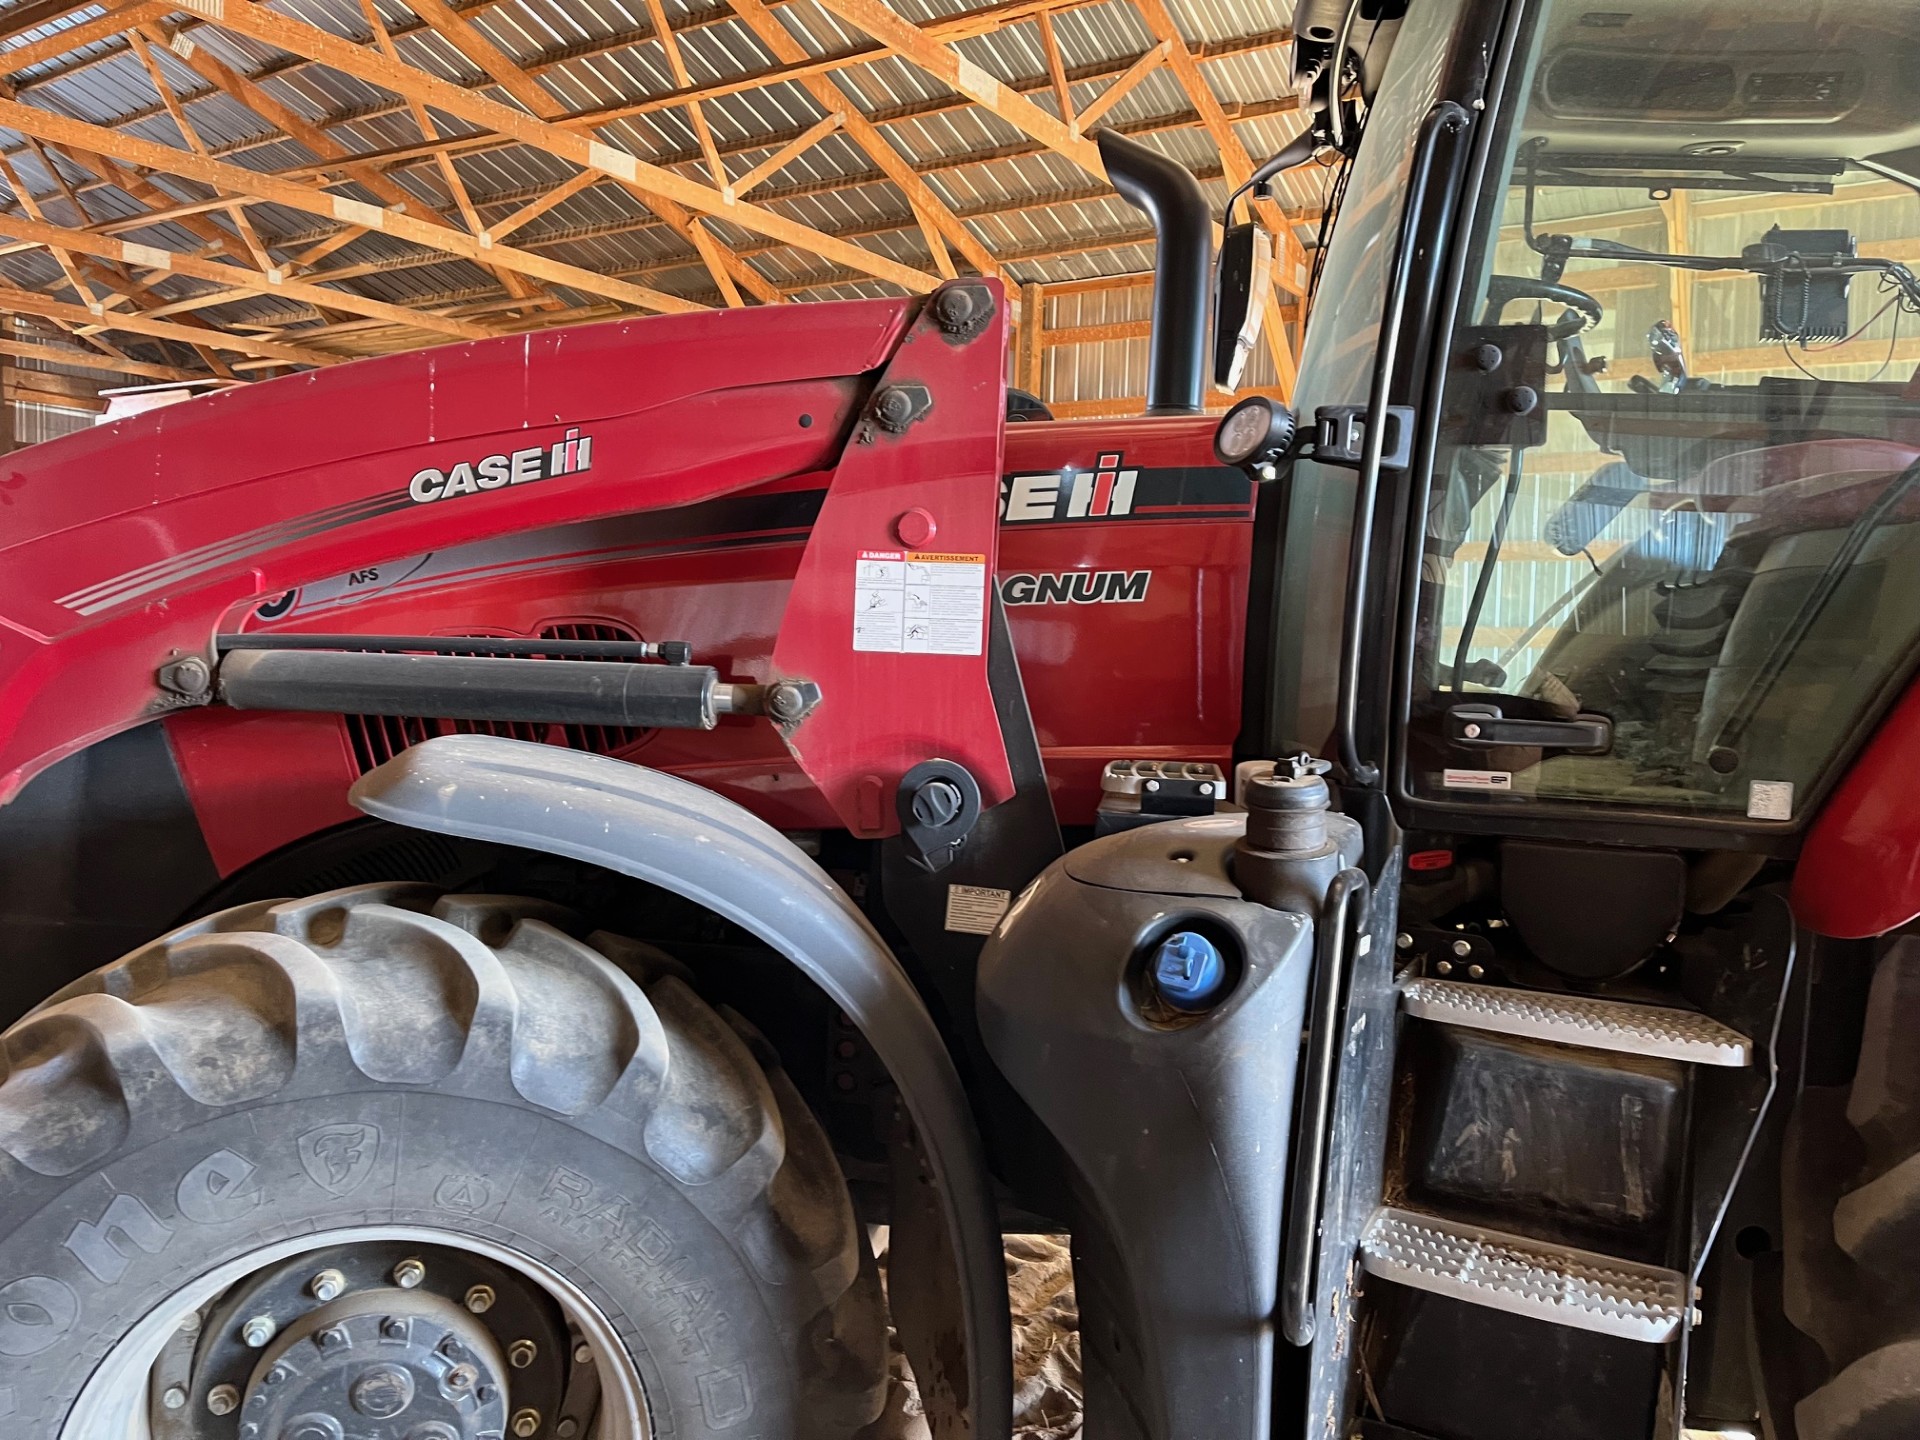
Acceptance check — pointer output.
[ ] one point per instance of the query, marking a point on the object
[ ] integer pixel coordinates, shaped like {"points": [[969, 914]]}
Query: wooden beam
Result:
{"points": [[558, 195], [1117, 91], [26, 302], [240, 281], [1099, 334], [787, 153], [961, 74], [270, 28], [1056, 69], [760, 19], [721, 263], [291, 123], [88, 360], [1029, 371], [235, 180], [1289, 259], [38, 387], [75, 37]]}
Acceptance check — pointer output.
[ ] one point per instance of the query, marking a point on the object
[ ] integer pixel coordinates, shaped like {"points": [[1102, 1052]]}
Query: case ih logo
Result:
{"points": [[1076, 587], [1096, 494], [538, 462]]}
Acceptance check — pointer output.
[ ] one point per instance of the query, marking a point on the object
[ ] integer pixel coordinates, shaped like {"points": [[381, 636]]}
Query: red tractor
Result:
{"points": [[1417, 893]]}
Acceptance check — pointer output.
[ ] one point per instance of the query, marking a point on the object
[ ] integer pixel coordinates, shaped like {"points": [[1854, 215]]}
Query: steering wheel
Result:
{"points": [[1503, 290]]}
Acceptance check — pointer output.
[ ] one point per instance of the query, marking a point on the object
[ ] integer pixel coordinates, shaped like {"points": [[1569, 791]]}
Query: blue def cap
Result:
{"points": [[1189, 971]]}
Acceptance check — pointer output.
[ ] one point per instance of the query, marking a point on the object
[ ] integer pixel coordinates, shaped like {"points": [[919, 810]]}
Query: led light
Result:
{"points": [[1255, 431]]}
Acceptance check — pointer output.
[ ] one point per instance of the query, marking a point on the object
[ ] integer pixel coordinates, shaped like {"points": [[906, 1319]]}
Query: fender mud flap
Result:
{"points": [[683, 838]]}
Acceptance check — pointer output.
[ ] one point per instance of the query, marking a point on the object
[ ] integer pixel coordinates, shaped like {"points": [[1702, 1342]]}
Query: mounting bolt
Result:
{"points": [[327, 1285], [461, 1377], [332, 1338], [583, 1354], [394, 1328], [1403, 941], [1445, 967], [188, 676], [191, 1324], [174, 1397], [522, 1353], [525, 1423], [790, 700], [567, 1428], [480, 1299], [223, 1400], [258, 1331], [1476, 972], [409, 1273], [1462, 948]]}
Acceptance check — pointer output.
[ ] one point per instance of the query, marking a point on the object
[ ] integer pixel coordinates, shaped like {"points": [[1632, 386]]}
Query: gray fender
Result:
{"points": [[682, 838]]}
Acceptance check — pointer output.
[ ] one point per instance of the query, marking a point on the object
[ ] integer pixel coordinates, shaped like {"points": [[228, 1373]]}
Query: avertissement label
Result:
{"points": [[919, 603]]}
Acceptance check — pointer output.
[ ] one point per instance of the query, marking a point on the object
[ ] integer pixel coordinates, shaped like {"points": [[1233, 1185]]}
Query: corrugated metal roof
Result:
{"points": [[1033, 210]]}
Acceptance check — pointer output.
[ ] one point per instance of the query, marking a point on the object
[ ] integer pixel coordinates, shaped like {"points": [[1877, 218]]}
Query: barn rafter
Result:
{"points": [[224, 186]]}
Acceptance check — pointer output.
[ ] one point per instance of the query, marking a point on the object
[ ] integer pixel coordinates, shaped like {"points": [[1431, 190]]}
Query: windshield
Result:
{"points": [[1674, 531]]}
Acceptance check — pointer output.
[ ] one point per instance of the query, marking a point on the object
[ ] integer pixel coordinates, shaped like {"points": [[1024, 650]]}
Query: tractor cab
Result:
{"points": [[1596, 630]]}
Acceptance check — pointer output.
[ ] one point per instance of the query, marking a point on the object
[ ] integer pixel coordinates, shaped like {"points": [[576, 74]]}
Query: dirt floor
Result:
{"points": [[1046, 1355]]}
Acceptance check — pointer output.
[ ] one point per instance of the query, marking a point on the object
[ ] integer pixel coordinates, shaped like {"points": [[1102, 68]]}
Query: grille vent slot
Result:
{"points": [[376, 739]]}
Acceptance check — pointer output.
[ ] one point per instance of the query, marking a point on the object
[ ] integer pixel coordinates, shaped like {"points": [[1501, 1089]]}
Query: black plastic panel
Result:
{"points": [[1461, 1372], [1576, 1146]]}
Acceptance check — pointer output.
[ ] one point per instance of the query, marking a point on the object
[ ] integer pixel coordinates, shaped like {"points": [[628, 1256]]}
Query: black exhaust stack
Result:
{"points": [[1182, 269]]}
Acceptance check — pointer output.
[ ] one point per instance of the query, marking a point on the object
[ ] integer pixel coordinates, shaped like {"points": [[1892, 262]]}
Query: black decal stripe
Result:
{"points": [[212, 557], [738, 521], [1215, 486]]}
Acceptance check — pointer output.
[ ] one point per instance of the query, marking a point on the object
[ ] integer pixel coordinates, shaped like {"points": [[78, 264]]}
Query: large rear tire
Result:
{"points": [[296, 1084], [1851, 1210]]}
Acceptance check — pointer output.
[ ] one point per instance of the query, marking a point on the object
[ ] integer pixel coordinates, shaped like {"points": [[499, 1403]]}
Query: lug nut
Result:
{"points": [[460, 1377], [409, 1273], [191, 1324], [480, 1299], [521, 1354], [567, 1428], [223, 1400], [327, 1285], [1463, 948], [583, 1354], [526, 1423], [332, 1338], [174, 1397], [394, 1328], [258, 1331]]}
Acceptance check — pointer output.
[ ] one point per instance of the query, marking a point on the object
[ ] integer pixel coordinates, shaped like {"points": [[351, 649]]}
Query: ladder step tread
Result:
{"points": [[1579, 1020], [1522, 1276]]}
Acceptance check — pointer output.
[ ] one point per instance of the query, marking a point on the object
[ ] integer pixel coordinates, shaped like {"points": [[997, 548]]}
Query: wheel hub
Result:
{"points": [[384, 1365]]}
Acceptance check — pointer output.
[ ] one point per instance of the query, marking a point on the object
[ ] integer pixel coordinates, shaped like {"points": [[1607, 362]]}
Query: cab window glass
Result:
{"points": [[1672, 554]]}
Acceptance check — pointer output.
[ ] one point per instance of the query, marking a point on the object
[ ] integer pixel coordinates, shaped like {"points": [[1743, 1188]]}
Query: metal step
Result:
{"points": [[1578, 1020], [1527, 1277]]}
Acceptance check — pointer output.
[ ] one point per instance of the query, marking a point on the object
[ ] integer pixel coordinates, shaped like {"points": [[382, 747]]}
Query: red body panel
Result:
{"points": [[1859, 871], [690, 523]]}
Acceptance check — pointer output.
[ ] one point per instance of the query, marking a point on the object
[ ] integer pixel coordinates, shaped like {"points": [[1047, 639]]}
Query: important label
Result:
{"points": [[976, 909], [1770, 800], [1477, 779], [919, 603]]}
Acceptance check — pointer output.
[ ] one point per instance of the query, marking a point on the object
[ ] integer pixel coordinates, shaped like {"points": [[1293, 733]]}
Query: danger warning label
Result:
{"points": [[919, 603]]}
